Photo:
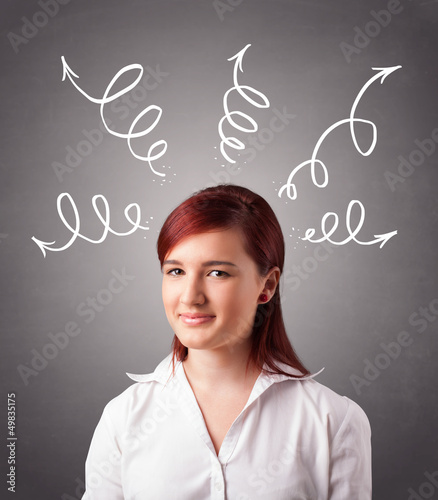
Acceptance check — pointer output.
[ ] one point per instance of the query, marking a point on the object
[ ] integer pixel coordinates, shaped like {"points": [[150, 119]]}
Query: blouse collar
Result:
{"points": [[163, 373]]}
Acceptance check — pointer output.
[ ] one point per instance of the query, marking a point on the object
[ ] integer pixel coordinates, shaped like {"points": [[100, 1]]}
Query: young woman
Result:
{"points": [[231, 413]]}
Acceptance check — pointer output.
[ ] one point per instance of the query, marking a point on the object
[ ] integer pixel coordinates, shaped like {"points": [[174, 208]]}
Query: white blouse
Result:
{"points": [[294, 439]]}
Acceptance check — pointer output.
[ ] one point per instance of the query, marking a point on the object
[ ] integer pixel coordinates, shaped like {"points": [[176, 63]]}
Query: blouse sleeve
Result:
{"points": [[103, 464], [350, 474]]}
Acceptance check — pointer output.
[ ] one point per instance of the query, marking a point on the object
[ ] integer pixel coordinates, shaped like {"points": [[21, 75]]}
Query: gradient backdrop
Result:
{"points": [[75, 321]]}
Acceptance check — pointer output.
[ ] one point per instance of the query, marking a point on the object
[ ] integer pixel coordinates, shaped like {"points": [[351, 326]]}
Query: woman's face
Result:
{"points": [[211, 289]]}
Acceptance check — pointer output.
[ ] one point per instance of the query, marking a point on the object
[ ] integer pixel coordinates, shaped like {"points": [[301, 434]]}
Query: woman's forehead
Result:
{"points": [[222, 244]]}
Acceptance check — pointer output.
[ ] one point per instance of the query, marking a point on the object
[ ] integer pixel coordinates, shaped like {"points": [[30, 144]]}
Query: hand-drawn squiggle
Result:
{"points": [[383, 73], [380, 238], [105, 219], [291, 190], [67, 71], [243, 90], [314, 161]]}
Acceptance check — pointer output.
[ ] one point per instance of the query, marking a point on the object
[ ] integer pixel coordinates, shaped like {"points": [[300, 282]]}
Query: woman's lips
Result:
{"points": [[195, 319]]}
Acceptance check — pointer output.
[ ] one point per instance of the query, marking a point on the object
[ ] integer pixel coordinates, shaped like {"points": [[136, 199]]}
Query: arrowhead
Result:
{"points": [[239, 56], [384, 238], [66, 70], [43, 245], [384, 72]]}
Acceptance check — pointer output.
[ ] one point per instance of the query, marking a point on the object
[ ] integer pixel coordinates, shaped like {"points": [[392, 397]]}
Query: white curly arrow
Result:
{"points": [[69, 73], [104, 218], [243, 90], [290, 186], [291, 189], [380, 238]]}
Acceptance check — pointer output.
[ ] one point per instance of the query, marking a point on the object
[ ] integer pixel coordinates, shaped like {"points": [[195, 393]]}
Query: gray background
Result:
{"points": [[339, 307]]}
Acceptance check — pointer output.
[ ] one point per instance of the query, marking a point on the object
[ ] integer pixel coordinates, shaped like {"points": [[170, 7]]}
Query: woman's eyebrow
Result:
{"points": [[218, 263], [174, 262]]}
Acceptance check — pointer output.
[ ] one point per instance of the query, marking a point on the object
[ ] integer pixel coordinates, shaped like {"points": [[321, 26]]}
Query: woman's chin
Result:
{"points": [[194, 342]]}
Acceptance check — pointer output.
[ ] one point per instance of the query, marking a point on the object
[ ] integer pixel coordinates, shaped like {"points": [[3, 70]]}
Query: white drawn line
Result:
{"points": [[382, 73], [244, 91], [290, 187], [380, 238], [105, 219], [69, 73]]}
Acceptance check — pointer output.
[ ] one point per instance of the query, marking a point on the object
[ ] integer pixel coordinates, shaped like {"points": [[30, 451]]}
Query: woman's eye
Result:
{"points": [[218, 274], [175, 272]]}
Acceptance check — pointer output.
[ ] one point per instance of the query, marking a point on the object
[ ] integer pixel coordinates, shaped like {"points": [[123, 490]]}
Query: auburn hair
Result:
{"points": [[224, 207]]}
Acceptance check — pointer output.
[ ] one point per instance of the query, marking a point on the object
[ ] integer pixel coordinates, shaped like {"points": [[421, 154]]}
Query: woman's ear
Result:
{"points": [[271, 282]]}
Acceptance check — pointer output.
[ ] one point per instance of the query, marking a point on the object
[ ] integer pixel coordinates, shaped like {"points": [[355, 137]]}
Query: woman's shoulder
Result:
{"points": [[340, 413], [329, 400], [138, 394], [319, 403]]}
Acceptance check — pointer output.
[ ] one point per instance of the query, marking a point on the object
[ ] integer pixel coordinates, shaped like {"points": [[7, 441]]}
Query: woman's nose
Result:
{"points": [[193, 293]]}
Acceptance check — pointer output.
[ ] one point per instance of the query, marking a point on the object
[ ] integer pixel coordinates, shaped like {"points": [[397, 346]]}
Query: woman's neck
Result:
{"points": [[220, 369]]}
